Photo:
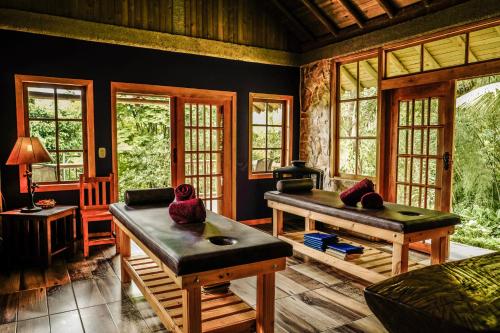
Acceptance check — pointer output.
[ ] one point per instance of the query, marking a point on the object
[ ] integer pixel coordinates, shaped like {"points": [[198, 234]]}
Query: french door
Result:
{"points": [[203, 150], [166, 136], [422, 146]]}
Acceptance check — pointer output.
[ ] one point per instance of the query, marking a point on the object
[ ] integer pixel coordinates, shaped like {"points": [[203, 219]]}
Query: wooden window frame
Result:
{"points": [[21, 81], [336, 101], [287, 130]]}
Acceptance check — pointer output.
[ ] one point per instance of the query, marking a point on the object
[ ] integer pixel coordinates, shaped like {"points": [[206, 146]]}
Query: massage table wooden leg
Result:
{"points": [[191, 310], [277, 222], [438, 250], [265, 303], [125, 253], [310, 224], [399, 258]]}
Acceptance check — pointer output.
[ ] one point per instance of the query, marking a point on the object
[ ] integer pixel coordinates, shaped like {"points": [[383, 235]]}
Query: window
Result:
{"points": [[357, 119], [445, 52], [270, 134], [57, 111]]}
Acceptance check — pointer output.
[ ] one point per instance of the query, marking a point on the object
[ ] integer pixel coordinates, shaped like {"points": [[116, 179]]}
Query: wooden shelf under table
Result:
{"points": [[220, 312], [373, 266]]}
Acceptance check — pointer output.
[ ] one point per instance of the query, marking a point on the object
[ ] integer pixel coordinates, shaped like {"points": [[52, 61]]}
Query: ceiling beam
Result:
{"points": [[404, 14], [322, 17], [354, 11], [393, 59], [294, 21], [388, 6]]}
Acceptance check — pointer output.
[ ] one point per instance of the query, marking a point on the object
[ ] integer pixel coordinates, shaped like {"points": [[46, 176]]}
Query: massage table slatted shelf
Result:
{"points": [[372, 261], [220, 313], [170, 274], [387, 224]]}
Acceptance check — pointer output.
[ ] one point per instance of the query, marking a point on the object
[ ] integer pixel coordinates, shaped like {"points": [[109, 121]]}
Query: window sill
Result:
{"points": [[55, 187], [253, 176]]}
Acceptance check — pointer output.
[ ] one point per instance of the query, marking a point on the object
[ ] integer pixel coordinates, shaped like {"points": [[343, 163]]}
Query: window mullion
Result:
{"points": [[56, 115]]}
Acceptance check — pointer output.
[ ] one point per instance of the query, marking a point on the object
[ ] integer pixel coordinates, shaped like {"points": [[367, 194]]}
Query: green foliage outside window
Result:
{"points": [[476, 169], [144, 139], [69, 124]]}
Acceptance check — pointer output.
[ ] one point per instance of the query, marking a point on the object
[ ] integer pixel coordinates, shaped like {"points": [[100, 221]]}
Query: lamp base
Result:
{"points": [[31, 209]]}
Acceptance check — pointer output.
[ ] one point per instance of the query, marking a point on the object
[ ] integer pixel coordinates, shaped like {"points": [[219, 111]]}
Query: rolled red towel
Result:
{"points": [[188, 211], [353, 194], [372, 200], [185, 192]]}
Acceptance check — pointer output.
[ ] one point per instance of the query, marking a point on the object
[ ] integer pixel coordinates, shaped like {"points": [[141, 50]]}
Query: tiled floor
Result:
{"points": [[77, 295]]}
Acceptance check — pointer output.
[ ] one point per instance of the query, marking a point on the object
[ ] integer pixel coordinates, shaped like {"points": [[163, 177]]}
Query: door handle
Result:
{"points": [[446, 160]]}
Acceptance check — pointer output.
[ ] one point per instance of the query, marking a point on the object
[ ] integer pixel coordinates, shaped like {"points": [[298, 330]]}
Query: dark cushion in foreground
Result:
{"points": [[187, 248], [392, 217], [461, 296]]}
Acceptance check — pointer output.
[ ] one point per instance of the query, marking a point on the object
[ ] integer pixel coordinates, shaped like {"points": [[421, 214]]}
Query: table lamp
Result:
{"points": [[29, 150]]}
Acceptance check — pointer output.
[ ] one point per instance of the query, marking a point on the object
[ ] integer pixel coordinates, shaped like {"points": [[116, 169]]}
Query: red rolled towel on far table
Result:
{"points": [[188, 211], [353, 194], [372, 200], [185, 192]]}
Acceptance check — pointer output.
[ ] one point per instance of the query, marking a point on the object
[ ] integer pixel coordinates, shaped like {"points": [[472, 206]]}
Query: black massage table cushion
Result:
{"points": [[193, 248]]}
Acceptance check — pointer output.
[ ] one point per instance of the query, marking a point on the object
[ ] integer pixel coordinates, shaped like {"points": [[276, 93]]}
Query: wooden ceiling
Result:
{"points": [[288, 25], [316, 23]]}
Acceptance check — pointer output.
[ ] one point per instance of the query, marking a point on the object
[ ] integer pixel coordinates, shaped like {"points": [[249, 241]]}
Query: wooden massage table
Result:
{"points": [[181, 258], [400, 225]]}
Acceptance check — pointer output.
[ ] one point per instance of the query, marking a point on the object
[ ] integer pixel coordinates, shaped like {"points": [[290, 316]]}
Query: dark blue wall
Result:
{"points": [[30, 54]]}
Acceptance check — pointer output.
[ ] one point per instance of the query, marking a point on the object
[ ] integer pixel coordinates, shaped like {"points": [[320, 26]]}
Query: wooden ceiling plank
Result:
{"points": [[369, 69], [321, 16], [461, 43], [354, 11], [293, 20], [389, 7], [348, 76], [428, 55], [393, 59]]}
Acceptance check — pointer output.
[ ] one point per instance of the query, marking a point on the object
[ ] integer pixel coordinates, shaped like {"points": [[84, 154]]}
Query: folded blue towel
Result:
{"points": [[317, 236], [322, 248], [346, 248]]}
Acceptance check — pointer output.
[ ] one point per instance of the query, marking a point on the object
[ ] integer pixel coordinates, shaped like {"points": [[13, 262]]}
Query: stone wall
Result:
{"points": [[315, 122]]}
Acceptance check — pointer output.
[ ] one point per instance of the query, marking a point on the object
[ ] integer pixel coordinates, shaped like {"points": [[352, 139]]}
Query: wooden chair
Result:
{"points": [[96, 193]]}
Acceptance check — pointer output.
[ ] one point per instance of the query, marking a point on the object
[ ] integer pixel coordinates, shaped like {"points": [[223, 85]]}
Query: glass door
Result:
{"points": [[203, 150], [422, 119], [143, 141]]}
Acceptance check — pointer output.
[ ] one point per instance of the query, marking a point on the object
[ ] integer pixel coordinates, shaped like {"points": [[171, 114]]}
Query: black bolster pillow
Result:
{"points": [[295, 185], [150, 196]]}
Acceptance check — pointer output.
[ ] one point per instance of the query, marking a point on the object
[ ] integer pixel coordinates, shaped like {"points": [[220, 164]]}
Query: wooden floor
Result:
{"points": [[77, 295]]}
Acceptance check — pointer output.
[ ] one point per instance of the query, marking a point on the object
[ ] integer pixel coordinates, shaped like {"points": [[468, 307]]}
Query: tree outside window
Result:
{"points": [[357, 118], [55, 114], [269, 134]]}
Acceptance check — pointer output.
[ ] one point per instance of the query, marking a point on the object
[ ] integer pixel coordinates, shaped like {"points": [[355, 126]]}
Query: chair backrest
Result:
{"points": [[96, 192]]}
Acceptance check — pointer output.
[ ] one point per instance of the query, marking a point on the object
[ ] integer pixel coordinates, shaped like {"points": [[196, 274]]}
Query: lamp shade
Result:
{"points": [[28, 150]]}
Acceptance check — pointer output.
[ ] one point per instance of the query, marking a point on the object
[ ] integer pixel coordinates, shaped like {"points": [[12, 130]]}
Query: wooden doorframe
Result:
{"points": [[445, 90], [174, 93]]}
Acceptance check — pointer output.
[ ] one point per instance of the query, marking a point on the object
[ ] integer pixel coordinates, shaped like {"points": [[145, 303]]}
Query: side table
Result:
{"points": [[23, 237]]}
